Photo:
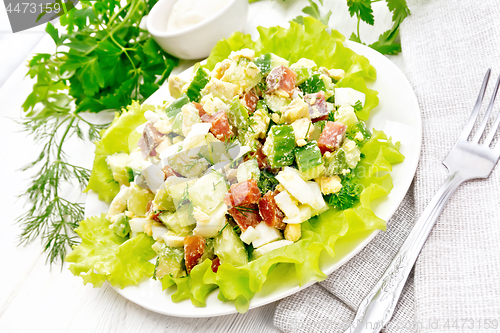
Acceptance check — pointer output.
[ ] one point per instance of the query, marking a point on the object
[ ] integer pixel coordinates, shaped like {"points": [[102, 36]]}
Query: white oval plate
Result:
{"points": [[398, 115]]}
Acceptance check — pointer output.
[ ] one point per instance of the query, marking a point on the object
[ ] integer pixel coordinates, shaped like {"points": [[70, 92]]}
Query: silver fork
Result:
{"points": [[467, 160]]}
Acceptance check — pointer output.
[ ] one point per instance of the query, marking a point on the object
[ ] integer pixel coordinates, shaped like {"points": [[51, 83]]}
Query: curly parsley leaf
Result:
{"points": [[349, 194]]}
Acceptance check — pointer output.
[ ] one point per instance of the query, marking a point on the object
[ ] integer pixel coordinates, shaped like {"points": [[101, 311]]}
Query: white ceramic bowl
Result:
{"points": [[197, 41]]}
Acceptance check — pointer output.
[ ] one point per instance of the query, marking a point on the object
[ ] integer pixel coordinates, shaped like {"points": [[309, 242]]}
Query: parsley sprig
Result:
{"points": [[103, 61], [362, 9]]}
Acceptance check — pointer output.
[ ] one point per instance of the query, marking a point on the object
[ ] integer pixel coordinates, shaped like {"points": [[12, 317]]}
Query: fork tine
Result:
{"points": [[493, 131], [475, 111], [484, 122]]}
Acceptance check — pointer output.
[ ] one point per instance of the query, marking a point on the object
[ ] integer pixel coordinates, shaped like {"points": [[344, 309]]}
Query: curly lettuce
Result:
{"points": [[114, 139], [103, 254]]}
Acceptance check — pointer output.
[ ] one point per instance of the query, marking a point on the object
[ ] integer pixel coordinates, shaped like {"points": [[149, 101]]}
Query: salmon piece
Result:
{"points": [[243, 193], [220, 125], [199, 107], [215, 264], [261, 158], [269, 211], [317, 105], [194, 246], [281, 78], [250, 100], [246, 216], [149, 140], [169, 172], [331, 137]]}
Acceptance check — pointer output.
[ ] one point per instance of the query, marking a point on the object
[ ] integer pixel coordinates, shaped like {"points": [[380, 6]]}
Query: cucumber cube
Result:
{"points": [[279, 146], [308, 156]]}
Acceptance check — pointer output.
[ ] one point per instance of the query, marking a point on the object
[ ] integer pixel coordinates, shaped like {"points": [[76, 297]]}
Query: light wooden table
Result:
{"points": [[35, 298]]}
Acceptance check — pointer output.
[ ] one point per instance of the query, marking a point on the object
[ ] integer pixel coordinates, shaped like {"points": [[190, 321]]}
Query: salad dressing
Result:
{"points": [[187, 13]]}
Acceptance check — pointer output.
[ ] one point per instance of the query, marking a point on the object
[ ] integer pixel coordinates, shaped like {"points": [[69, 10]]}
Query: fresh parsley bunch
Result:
{"points": [[103, 61]]}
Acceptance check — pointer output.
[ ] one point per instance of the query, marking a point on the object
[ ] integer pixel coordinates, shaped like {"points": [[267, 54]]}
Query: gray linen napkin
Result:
{"points": [[447, 47]]}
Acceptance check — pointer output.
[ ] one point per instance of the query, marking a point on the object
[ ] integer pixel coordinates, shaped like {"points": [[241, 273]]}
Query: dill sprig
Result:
{"points": [[102, 62]]}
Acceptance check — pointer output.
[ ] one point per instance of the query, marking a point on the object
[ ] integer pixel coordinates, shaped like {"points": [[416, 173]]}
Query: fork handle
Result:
{"points": [[377, 308]]}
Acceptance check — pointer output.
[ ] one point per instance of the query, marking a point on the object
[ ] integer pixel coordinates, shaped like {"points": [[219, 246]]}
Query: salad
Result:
{"points": [[260, 159]]}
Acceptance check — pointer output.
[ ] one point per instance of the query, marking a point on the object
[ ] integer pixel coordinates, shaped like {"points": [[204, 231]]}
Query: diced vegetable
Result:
{"points": [[176, 106], [268, 61], [308, 156], [248, 170], [138, 200], [187, 165], [194, 246], [303, 73], [172, 221], [332, 136], [237, 114], [243, 193], [208, 192], [315, 172], [117, 163], [229, 248], [281, 78], [336, 163], [270, 212], [279, 146], [121, 226], [170, 262], [199, 82], [163, 201], [276, 103], [346, 115]]}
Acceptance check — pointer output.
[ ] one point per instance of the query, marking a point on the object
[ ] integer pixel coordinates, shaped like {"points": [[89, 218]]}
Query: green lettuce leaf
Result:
{"points": [[114, 139], [102, 255], [311, 41]]}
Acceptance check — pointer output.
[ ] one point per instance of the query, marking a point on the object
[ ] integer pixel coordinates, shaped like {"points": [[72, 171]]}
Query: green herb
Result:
{"points": [[267, 182], [348, 195], [386, 43], [103, 61], [313, 10], [358, 107]]}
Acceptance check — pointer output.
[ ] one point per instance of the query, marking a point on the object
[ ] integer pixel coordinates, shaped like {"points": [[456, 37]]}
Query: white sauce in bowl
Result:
{"points": [[187, 13]]}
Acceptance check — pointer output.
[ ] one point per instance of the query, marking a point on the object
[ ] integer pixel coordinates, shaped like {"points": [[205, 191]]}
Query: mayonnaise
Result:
{"points": [[187, 13]]}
